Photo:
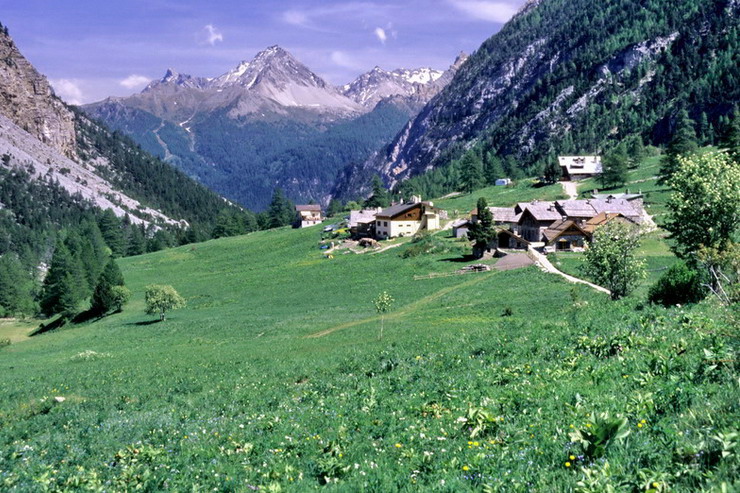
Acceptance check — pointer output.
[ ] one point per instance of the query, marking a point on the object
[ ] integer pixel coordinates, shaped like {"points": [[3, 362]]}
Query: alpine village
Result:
{"points": [[513, 267]]}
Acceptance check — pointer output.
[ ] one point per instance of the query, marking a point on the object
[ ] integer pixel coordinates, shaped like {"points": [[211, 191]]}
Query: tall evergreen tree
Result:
{"points": [[682, 143], [281, 211], [15, 287], [552, 172], [136, 241], [471, 173], [103, 298], [482, 232], [379, 198], [110, 227], [492, 168], [614, 168], [62, 286]]}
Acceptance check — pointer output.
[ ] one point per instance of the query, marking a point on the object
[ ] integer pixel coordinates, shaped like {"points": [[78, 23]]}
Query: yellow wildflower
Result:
{"points": [[567, 464]]}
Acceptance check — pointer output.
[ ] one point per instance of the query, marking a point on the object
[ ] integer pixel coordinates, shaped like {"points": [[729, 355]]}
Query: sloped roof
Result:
{"points": [[541, 211], [592, 207], [600, 219], [576, 208], [362, 217], [625, 196], [581, 165], [309, 207], [395, 210], [620, 206], [504, 214], [558, 228]]}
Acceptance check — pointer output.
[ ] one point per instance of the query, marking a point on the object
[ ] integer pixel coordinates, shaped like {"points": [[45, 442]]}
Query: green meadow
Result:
{"points": [[274, 378]]}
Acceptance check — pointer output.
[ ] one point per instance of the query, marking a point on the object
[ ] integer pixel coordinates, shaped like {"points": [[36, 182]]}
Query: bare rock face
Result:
{"points": [[28, 100]]}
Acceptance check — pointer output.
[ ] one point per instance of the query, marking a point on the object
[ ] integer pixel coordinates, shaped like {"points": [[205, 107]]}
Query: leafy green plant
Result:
{"points": [[599, 432]]}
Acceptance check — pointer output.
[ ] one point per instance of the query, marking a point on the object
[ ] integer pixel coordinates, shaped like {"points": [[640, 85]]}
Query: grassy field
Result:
{"points": [[274, 378], [523, 191]]}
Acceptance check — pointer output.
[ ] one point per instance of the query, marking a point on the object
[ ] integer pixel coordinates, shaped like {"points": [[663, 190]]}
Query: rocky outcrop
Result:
{"points": [[28, 100]]}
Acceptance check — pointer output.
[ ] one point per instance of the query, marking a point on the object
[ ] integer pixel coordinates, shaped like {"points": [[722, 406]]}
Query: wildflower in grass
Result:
{"points": [[567, 464], [465, 468], [639, 425], [398, 445], [572, 457]]}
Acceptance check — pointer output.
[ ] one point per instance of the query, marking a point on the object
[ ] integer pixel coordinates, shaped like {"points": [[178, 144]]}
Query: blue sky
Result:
{"points": [[91, 49]]}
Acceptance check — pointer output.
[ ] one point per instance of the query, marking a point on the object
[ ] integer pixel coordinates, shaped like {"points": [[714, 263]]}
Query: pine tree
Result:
{"points": [[110, 227], [379, 198], [492, 168], [15, 287], [136, 241], [553, 171], [682, 143], [103, 298], [61, 290], [482, 232], [614, 168], [471, 173], [281, 211]]}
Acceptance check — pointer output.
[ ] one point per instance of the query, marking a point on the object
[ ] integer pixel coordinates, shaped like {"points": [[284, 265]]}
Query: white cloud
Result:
{"points": [[295, 18], [68, 89], [134, 81], [345, 60], [499, 12], [380, 34], [212, 35]]}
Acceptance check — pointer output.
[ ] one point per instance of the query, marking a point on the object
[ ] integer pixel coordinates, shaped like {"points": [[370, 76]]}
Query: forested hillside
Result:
{"points": [[575, 76]]}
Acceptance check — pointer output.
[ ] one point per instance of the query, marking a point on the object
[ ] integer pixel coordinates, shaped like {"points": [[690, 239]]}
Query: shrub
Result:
{"points": [[4, 342], [680, 284]]}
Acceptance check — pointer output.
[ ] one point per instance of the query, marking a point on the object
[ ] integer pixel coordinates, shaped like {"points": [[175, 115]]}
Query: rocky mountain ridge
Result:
{"points": [[28, 100], [282, 124], [59, 145], [571, 77]]}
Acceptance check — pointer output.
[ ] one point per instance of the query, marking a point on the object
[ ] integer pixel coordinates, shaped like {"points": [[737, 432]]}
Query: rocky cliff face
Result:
{"points": [[28, 100]]}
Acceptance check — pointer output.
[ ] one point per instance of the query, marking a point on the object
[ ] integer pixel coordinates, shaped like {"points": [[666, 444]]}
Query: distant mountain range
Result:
{"points": [[58, 165], [270, 122], [567, 76]]}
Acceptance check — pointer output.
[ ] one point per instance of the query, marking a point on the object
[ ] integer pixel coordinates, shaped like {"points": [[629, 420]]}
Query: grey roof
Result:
{"points": [[362, 217], [503, 214], [625, 196], [592, 207], [542, 211], [621, 206], [395, 210], [576, 208], [310, 207], [460, 222]]}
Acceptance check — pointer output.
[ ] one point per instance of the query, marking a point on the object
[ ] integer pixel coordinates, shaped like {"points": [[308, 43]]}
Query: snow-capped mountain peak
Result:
{"points": [[369, 88]]}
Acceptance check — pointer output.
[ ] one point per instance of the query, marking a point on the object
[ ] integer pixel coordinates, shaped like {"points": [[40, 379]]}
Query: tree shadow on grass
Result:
{"points": [[146, 322], [53, 325], [463, 259]]}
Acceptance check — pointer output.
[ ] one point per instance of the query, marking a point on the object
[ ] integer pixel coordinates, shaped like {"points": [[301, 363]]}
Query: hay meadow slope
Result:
{"points": [[274, 379]]}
